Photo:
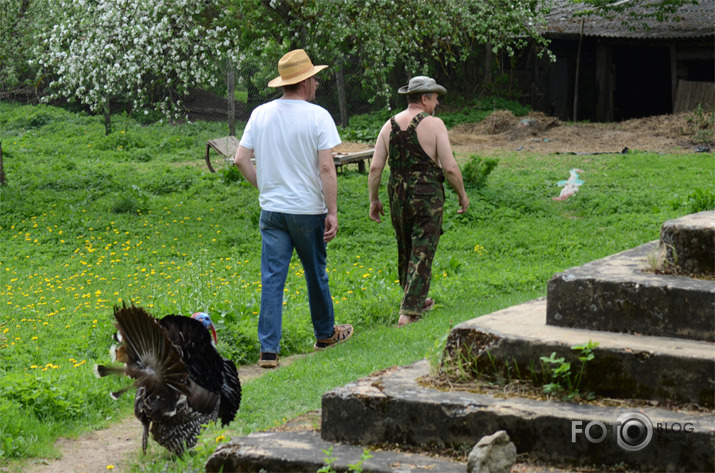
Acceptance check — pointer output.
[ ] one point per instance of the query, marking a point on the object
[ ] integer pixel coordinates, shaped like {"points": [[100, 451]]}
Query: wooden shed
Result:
{"points": [[606, 70]]}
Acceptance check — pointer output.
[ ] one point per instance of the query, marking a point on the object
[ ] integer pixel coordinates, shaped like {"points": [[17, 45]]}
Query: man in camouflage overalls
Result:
{"points": [[416, 146]]}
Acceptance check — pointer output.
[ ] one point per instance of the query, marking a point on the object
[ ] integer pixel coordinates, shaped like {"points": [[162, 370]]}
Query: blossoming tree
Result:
{"points": [[145, 54]]}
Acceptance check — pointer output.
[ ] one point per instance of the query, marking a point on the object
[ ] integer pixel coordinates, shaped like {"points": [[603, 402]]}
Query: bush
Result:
{"points": [[476, 171], [121, 141], [701, 200], [230, 174]]}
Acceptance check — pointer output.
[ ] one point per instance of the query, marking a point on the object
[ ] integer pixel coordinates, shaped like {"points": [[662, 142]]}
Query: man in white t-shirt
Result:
{"points": [[292, 141]]}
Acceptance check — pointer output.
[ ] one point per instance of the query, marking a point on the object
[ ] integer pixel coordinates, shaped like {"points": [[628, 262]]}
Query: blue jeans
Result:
{"points": [[281, 233]]}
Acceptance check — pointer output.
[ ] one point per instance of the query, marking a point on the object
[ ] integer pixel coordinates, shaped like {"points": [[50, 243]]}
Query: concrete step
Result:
{"points": [[297, 452], [393, 407], [509, 344], [618, 294], [688, 242]]}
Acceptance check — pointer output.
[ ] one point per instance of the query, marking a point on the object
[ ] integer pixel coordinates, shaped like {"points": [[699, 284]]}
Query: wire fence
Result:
{"points": [[341, 91]]}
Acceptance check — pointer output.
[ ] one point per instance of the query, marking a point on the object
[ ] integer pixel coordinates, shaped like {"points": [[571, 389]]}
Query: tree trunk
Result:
{"points": [[2, 168], [487, 67], [107, 119], [578, 67], [231, 92], [342, 98]]}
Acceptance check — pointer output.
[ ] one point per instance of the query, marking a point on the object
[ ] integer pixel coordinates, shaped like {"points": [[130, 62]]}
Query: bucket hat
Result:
{"points": [[294, 67], [422, 85]]}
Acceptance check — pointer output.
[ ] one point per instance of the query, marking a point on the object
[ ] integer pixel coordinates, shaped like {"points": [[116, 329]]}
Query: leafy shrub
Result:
{"points": [[476, 171], [173, 180], [131, 202], [36, 118], [469, 115], [122, 141], [365, 128], [700, 200], [230, 174], [499, 103]]}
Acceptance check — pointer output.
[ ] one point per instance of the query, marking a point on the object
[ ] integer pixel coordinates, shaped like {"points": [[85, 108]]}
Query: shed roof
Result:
{"points": [[697, 21]]}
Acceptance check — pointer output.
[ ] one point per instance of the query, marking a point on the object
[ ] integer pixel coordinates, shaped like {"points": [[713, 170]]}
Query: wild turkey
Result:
{"points": [[181, 380]]}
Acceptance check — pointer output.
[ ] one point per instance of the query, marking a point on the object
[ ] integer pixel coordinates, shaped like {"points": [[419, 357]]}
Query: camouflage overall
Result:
{"points": [[416, 194]]}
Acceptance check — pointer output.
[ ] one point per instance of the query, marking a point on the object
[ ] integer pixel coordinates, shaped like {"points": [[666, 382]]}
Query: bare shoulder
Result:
{"points": [[434, 124], [385, 131]]}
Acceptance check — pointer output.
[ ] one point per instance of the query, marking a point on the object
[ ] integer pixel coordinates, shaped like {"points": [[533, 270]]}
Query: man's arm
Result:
{"points": [[242, 160], [329, 182], [379, 159], [449, 165]]}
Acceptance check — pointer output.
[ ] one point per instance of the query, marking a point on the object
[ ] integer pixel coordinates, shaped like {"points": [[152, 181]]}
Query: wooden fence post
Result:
{"points": [[231, 96], [342, 97], [2, 168]]}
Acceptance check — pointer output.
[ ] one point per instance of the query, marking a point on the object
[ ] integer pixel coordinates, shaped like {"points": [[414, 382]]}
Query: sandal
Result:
{"points": [[268, 360], [341, 333]]}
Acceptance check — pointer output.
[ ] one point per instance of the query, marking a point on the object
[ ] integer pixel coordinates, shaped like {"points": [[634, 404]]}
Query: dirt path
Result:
{"points": [[114, 446]]}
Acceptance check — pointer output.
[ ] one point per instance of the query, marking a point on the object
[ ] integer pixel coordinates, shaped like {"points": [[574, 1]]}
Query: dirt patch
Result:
{"points": [[121, 442], [539, 133]]}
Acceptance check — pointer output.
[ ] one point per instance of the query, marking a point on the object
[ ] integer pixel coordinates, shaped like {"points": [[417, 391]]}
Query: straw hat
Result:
{"points": [[294, 67], [422, 85]]}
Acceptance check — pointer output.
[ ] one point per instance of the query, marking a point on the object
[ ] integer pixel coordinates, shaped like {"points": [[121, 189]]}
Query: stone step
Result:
{"points": [[393, 407], [688, 242], [618, 294], [510, 343], [297, 452]]}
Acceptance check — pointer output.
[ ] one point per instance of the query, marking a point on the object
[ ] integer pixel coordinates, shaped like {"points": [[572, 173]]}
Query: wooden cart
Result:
{"points": [[228, 145]]}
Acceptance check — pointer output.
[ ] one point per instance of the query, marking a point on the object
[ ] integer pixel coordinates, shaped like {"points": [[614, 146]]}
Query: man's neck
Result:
{"points": [[293, 96], [300, 93], [415, 109]]}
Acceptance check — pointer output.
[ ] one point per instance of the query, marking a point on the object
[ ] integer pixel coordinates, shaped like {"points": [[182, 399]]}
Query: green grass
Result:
{"points": [[88, 221]]}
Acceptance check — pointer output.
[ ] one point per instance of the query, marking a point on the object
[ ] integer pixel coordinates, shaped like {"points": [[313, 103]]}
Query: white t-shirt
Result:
{"points": [[285, 136]]}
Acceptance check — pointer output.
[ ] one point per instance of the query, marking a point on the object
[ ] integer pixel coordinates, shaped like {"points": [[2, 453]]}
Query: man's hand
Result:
{"points": [[331, 227], [463, 204], [376, 211]]}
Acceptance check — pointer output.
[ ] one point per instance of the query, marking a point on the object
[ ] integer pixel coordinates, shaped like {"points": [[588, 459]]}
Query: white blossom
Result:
{"points": [[131, 50]]}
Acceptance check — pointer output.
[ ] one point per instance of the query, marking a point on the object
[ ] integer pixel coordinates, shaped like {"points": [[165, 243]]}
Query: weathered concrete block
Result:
{"points": [[688, 243], [304, 452], [509, 344], [394, 408], [618, 294]]}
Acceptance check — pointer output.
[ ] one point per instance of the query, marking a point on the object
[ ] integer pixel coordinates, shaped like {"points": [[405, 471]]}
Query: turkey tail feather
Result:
{"points": [[100, 371], [115, 395], [151, 357], [230, 393]]}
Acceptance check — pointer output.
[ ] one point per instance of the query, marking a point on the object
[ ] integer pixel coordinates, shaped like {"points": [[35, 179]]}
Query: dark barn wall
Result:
{"points": [[619, 78], [642, 85]]}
